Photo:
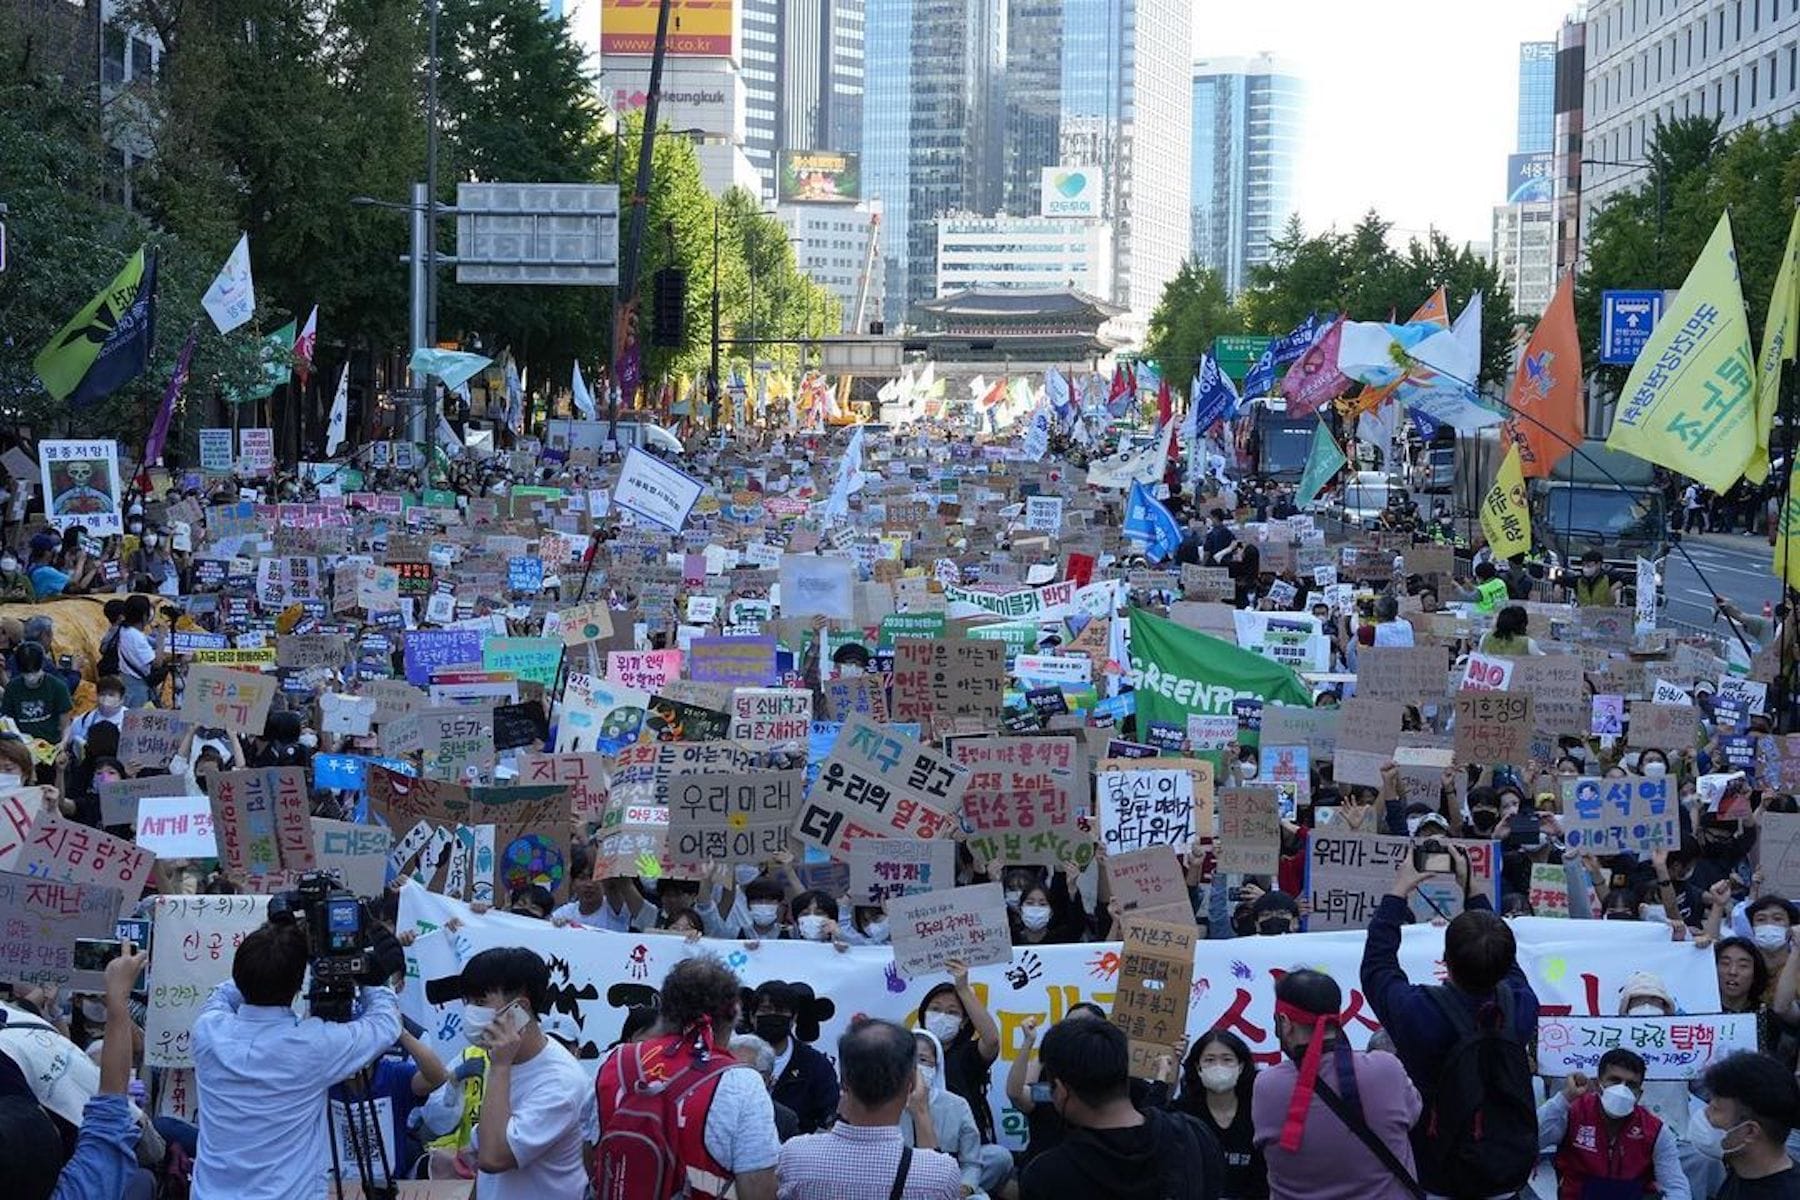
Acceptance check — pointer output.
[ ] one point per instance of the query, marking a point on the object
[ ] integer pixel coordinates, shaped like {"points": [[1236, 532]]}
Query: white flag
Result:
{"points": [[340, 414], [584, 399], [232, 297]]}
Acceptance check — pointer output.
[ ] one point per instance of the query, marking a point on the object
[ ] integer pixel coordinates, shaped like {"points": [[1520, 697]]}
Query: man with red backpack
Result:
{"points": [[1463, 1043], [680, 1117]]}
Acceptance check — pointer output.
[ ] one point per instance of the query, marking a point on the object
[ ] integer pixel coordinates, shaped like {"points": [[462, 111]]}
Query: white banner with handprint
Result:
{"points": [[1576, 967]]}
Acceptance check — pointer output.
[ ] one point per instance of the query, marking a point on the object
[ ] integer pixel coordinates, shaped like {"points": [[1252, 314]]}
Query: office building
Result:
{"points": [[1024, 253], [931, 129], [1079, 87], [1248, 116], [832, 246], [1537, 97], [803, 71], [1524, 253], [1567, 142], [1737, 60]]}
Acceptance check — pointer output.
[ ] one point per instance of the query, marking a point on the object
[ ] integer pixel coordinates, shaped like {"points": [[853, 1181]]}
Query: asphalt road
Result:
{"points": [[1735, 564]]}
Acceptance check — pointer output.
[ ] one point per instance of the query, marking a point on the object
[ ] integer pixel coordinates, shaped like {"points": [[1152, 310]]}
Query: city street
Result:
{"points": [[1737, 566]]}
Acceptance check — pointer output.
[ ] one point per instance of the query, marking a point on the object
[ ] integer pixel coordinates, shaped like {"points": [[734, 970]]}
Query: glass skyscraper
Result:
{"points": [[1248, 117], [1537, 97], [803, 77]]}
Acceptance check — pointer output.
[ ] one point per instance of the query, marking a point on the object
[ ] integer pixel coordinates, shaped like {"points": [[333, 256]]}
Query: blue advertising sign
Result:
{"points": [[1528, 178], [1626, 319]]}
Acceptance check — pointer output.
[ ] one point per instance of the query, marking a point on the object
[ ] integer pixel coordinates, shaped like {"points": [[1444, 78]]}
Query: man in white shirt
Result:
{"points": [[263, 1072], [1390, 630], [535, 1096]]}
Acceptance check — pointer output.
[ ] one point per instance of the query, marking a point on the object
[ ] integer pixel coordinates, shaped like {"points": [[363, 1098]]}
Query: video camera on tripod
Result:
{"points": [[337, 927]]}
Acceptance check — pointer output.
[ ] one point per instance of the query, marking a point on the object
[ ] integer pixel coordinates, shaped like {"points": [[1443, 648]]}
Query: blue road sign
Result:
{"points": [[1626, 319]]}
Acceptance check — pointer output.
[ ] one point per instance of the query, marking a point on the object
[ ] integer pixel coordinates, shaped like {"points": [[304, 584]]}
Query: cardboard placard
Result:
{"points": [[1156, 980], [1290, 725], [119, 798], [1607, 816], [1020, 805], [1249, 832], [1150, 883], [149, 737], [883, 868], [1667, 727], [224, 698], [356, 854], [1348, 874], [43, 918], [1146, 806], [261, 818], [529, 827], [1413, 674], [185, 980], [767, 718], [964, 923], [737, 818], [874, 784], [1493, 727], [1368, 732]]}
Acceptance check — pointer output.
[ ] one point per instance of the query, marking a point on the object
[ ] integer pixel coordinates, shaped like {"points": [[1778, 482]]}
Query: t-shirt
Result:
{"points": [[1782, 1185], [46, 580], [740, 1124], [136, 654], [38, 710], [548, 1096]]}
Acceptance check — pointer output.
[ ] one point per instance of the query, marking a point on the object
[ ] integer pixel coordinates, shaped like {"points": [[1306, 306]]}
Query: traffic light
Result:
{"points": [[669, 300]]}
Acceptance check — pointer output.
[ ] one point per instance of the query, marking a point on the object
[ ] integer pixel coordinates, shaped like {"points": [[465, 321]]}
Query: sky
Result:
{"points": [[1412, 105]]}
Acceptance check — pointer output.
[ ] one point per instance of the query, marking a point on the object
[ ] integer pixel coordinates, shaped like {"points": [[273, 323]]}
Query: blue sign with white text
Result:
{"points": [[1626, 319]]}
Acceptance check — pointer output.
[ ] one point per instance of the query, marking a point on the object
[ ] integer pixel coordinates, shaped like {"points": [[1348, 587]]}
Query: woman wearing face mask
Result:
{"points": [[1034, 921], [1753, 1107], [1217, 1082], [938, 1119], [787, 1016], [15, 584], [815, 919], [971, 1040]]}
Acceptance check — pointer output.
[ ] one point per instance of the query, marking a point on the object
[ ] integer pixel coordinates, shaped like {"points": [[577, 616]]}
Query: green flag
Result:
{"points": [[119, 323], [1321, 464], [277, 356], [1182, 673]]}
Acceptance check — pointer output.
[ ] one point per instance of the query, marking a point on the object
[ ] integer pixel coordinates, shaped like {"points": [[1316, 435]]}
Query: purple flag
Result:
{"points": [[159, 429], [1315, 380]]}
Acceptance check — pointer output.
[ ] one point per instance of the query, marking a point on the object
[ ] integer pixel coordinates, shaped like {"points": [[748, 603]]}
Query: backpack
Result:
{"points": [[1479, 1133], [109, 653], [653, 1121]]}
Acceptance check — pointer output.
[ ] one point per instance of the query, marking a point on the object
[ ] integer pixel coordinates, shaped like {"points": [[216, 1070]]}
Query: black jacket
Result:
{"points": [[809, 1086], [1171, 1156]]}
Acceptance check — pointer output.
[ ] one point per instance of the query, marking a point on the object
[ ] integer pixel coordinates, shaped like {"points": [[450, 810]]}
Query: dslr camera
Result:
{"points": [[336, 925]]}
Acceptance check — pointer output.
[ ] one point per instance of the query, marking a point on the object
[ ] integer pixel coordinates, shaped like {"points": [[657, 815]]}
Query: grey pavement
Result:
{"points": [[1736, 565]]}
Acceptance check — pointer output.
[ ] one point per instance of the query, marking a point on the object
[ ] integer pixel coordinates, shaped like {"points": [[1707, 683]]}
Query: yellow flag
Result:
{"points": [[1779, 330], [1505, 516], [1787, 544], [1690, 403]]}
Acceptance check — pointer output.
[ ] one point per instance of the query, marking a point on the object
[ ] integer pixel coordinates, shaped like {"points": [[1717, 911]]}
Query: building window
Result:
{"points": [[112, 55], [1793, 61], [143, 59], [1753, 78]]}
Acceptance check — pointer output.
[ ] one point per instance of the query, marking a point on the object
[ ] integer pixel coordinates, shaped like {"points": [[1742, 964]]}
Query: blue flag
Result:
{"points": [[1149, 522], [1210, 398], [1280, 352]]}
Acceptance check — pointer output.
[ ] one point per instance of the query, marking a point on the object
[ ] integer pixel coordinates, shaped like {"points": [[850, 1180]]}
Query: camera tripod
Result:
{"points": [[362, 1116]]}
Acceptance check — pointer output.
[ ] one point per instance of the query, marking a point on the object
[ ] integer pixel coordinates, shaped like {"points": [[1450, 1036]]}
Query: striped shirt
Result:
{"points": [[859, 1162]]}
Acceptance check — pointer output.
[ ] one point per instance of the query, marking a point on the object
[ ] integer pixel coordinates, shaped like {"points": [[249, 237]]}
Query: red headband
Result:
{"points": [[1295, 1123]]}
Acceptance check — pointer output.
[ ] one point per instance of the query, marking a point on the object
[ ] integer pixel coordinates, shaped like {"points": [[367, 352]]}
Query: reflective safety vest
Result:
{"points": [[1491, 595]]}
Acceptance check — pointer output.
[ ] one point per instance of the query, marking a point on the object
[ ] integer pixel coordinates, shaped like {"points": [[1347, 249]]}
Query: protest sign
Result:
{"points": [[582, 623], [1668, 727], [1368, 731], [1549, 895], [874, 784], [216, 451], [176, 826], [882, 868], [1414, 674], [356, 854], [654, 490], [530, 659], [1051, 601], [1020, 804], [1606, 717], [1609, 816], [42, 919], [738, 661], [520, 725], [119, 797], [737, 818], [1347, 874], [81, 485], [1146, 807], [1150, 883], [1249, 831], [1487, 674], [260, 818], [430, 650], [1207, 583], [643, 670], [224, 698], [1679, 1047], [490, 840], [966, 924], [944, 678], [1212, 733], [817, 585], [458, 742], [1778, 852], [765, 718], [1290, 725], [849, 697], [149, 737], [1493, 727], [192, 942], [584, 775], [351, 715], [1156, 979], [1571, 966], [1754, 696], [1558, 689]]}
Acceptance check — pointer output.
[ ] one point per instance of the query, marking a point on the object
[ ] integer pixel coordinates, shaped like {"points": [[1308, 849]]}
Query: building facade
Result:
{"points": [[931, 129], [1524, 253], [1024, 253], [831, 245], [1537, 97], [1568, 142], [1737, 60], [803, 73], [1248, 118]]}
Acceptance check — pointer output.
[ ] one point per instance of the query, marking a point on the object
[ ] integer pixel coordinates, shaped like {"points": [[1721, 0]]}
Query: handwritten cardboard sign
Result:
{"points": [[1147, 806], [1667, 727], [1020, 806], [1607, 816], [1150, 883], [42, 919], [1493, 727], [874, 784], [736, 818], [933, 928], [1679, 1047], [223, 698], [193, 941], [766, 718], [1413, 674], [150, 737], [261, 818], [1249, 831], [1348, 874], [862, 696], [1156, 980], [883, 868], [356, 854]]}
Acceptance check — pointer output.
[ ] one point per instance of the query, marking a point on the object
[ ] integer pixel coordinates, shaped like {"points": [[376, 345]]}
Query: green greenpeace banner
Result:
{"points": [[1182, 673]]}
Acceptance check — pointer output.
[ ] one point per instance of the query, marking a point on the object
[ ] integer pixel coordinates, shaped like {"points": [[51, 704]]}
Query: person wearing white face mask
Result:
{"points": [[15, 584], [1218, 1084], [971, 1040], [938, 1119], [1753, 1108], [1605, 1142]]}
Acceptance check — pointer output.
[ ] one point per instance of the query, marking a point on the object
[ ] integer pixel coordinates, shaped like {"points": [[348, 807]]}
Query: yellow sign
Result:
{"points": [[1505, 517], [1690, 404], [1779, 332], [263, 656], [697, 28]]}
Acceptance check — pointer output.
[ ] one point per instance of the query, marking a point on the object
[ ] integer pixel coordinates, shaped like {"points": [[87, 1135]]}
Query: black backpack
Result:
{"points": [[109, 653], [1478, 1135]]}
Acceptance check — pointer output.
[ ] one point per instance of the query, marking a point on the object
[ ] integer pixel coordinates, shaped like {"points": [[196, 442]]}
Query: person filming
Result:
{"points": [[263, 1073]]}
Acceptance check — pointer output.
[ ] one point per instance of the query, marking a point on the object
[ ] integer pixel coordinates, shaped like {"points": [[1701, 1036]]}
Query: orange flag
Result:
{"points": [[1435, 310], [1547, 387]]}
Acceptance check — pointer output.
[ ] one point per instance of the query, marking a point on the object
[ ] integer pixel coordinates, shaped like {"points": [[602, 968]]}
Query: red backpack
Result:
{"points": [[654, 1097]]}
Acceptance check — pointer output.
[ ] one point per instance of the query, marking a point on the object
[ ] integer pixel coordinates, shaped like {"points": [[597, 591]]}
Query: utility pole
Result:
{"points": [[712, 379], [640, 205]]}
